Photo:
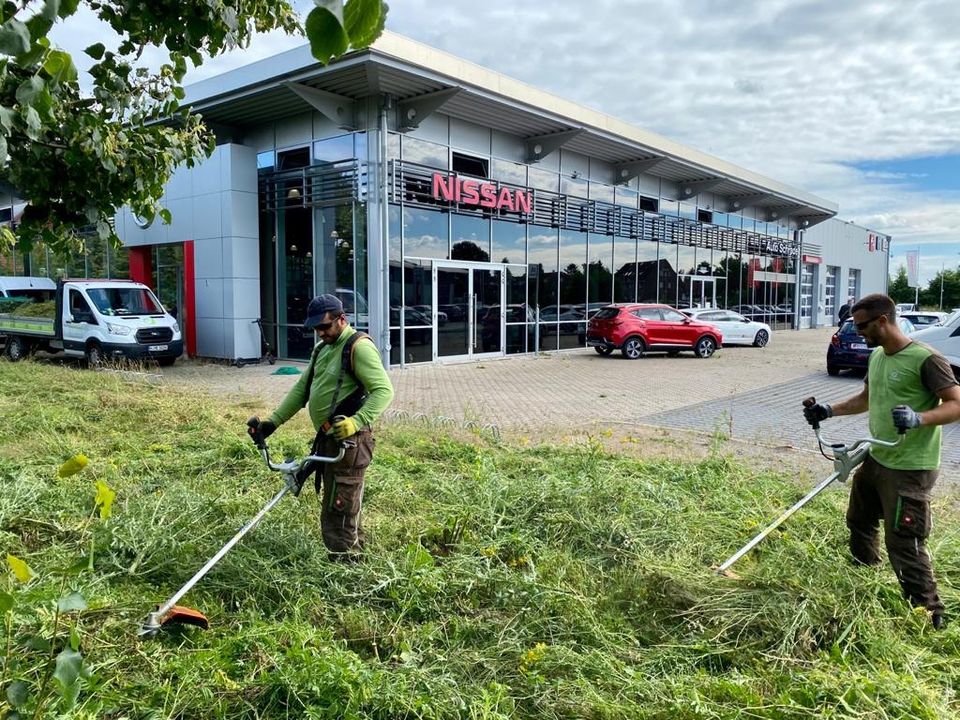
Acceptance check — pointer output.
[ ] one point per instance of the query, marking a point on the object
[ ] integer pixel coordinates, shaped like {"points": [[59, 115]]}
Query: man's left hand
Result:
{"points": [[905, 417], [344, 428]]}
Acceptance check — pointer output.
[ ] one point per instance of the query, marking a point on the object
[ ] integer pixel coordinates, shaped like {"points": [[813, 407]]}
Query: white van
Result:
{"points": [[38, 289]]}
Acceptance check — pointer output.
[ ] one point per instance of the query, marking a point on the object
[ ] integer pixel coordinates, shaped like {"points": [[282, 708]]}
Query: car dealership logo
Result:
{"points": [[467, 191]]}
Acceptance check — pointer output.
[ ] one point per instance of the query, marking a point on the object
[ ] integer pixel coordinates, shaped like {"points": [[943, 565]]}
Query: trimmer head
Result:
{"points": [[177, 615]]}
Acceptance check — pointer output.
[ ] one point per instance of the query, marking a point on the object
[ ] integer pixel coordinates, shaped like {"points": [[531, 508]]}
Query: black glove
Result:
{"points": [[817, 413], [260, 430]]}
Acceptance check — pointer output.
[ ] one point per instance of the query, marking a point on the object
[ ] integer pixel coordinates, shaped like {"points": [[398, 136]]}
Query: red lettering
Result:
{"points": [[523, 202], [505, 200], [488, 196], [471, 196], [444, 187]]}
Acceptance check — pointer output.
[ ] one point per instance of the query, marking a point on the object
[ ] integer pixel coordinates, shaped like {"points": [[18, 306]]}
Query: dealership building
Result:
{"points": [[461, 214]]}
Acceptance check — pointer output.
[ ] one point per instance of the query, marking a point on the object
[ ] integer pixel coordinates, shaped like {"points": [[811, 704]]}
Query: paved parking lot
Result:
{"points": [[747, 393]]}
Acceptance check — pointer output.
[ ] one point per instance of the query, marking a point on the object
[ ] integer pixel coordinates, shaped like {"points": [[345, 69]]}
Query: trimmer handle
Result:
{"points": [[810, 402], [901, 429], [253, 430]]}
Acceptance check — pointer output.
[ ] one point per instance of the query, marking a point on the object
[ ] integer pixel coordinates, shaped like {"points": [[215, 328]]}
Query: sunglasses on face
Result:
{"points": [[863, 325]]}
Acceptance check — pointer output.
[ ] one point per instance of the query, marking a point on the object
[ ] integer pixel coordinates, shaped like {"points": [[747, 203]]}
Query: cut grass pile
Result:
{"points": [[499, 581]]}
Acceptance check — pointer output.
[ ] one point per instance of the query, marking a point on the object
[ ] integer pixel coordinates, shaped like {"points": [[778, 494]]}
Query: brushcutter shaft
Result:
{"points": [[776, 523], [254, 521]]}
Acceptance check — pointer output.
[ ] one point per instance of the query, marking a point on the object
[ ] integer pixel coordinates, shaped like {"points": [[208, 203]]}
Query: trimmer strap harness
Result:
{"points": [[354, 401]]}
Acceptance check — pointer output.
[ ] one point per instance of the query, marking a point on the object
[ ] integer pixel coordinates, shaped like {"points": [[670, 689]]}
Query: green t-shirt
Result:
{"points": [[912, 376], [368, 366]]}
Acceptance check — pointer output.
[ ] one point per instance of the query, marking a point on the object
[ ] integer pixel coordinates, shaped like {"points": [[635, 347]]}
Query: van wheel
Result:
{"points": [[634, 348], [17, 349], [705, 347], [761, 339], [94, 356]]}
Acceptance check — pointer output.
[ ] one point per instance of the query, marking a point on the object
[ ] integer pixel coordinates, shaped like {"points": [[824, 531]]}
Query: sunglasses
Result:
{"points": [[863, 325]]}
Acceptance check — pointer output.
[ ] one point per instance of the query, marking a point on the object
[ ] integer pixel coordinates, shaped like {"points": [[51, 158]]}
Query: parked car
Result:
{"points": [[736, 329], [848, 349], [637, 328], [427, 311], [924, 318]]}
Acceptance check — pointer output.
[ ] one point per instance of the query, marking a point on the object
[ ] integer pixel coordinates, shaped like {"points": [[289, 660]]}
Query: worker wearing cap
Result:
{"points": [[343, 406]]}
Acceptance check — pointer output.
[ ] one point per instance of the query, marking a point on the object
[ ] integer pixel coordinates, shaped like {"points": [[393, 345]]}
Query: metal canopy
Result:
{"points": [[422, 79]]}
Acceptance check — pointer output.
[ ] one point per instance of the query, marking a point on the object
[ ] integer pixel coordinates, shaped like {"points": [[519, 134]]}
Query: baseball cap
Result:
{"points": [[319, 307]]}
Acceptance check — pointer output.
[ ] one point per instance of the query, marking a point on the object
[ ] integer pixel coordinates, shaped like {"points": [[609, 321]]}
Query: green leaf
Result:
{"points": [[68, 7], [82, 564], [67, 674], [166, 216], [60, 66], [37, 643], [51, 9], [29, 89], [72, 602], [21, 571], [14, 37], [334, 7], [364, 21], [6, 602], [105, 496], [39, 26], [32, 118], [17, 694], [328, 39], [7, 117], [96, 51]]}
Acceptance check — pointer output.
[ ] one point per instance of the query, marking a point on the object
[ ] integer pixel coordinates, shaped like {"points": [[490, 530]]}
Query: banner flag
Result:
{"points": [[913, 260]]}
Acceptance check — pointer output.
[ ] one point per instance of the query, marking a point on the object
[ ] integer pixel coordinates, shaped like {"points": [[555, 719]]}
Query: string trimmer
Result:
{"points": [[845, 459], [295, 474]]}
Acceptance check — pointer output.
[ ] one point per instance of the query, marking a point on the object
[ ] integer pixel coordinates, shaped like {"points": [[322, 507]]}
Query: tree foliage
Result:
{"points": [[75, 156], [945, 284]]}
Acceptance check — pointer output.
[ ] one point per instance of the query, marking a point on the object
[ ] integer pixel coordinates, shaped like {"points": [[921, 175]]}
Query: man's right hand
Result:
{"points": [[817, 413]]}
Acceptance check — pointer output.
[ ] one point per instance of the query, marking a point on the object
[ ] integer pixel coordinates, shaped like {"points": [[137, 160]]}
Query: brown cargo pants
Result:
{"points": [[340, 486], [902, 499]]}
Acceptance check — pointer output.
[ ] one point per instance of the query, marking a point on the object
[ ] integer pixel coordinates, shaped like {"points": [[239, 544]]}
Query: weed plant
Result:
{"points": [[498, 581]]}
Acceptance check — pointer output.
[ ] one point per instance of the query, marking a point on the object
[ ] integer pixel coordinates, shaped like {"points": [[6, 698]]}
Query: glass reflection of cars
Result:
{"points": [[427, 310]]}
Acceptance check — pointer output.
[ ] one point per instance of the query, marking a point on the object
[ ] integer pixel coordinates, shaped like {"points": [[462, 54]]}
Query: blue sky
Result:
{"points": [[855, 101]]}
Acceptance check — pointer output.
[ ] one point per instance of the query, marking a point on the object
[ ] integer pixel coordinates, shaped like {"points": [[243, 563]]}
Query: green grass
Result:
{"points": [[499, 581]]}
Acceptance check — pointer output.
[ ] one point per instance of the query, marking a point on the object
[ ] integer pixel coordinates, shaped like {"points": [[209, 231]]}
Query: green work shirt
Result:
{"points": [[368, 367], [911, 376]]}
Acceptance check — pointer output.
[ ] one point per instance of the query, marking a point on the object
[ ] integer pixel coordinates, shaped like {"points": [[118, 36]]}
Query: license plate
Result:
{"points": [[858, 346], [158, 348]]}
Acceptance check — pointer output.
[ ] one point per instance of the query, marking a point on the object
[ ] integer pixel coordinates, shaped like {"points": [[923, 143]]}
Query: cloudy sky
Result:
{"points": [[856, 101]]}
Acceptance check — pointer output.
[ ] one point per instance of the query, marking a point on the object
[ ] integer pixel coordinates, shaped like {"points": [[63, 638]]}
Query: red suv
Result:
{"points": [[634, 329]]}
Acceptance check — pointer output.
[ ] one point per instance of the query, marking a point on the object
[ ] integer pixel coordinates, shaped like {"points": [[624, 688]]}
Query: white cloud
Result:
{"points": [[795, 89]]}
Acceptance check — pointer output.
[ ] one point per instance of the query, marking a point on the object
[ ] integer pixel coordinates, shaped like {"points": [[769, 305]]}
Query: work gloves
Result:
{"points": [[344, 427], [905, 418], [259, 429], [817, 413]]}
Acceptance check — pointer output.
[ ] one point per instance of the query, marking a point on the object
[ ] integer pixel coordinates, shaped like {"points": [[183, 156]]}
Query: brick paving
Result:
{"points": [[747, 393]]}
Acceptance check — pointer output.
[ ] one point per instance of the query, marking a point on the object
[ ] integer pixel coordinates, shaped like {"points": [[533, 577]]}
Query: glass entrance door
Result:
{"points": [[467, 303], [703, 292]]}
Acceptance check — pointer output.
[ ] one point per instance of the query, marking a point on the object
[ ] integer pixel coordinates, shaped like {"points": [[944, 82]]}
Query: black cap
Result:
{"points": [[319, 307]]}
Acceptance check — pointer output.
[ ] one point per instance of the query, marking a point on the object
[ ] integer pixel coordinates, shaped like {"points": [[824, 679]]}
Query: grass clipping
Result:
{"points": [[498, 582]]}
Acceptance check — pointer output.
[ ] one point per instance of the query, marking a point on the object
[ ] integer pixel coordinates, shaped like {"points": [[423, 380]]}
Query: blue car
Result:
{"points": [[848, 350]]}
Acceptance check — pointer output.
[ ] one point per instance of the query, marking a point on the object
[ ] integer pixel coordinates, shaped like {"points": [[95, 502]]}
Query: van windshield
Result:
{"points": [[125, 301], [35, 294]]}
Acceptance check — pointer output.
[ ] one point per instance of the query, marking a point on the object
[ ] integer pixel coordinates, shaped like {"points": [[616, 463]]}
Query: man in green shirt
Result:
{"points": [[343, 407], [908, 385]]}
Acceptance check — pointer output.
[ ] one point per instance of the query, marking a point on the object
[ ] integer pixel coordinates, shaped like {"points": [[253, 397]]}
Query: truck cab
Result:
{"points": [[98, 319]]}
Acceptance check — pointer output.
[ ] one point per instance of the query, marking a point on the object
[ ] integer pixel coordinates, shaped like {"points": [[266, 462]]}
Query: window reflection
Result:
{"points": [[509, 242], [599, 273], [425, 233], [624, 269], [542, 266], [471, 238], [422, 152], [573, 280]]}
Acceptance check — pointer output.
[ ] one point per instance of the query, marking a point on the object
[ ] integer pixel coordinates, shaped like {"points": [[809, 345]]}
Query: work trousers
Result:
{"points": [[340, 486], [901, 498]]}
